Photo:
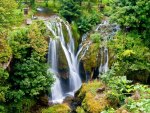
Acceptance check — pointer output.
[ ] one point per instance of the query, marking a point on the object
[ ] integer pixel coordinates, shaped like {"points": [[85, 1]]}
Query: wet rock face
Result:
{"points": [[142, 76], [63, 68], [90, 59]]}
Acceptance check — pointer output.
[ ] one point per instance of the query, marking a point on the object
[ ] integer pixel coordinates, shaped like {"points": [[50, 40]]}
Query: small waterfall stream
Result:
{"points": [[107, 31], [55, 26]]}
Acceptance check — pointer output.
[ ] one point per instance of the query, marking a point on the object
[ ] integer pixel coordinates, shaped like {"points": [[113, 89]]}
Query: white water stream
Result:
{"points": [[55, 26]]}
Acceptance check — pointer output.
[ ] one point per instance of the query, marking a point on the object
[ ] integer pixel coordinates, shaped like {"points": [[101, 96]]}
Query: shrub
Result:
{"points": [[132, 56], [96, 37], [87, 21], [70, 10]]}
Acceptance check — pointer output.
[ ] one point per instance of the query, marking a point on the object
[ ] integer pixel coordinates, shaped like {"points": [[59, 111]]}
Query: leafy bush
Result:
{"points": [[132, 56], [23, 106], [133, 15], [19, 42], [3, 88], [9, 14], [142, 103], [110, 110], [131, 97], [96, 37], [87, 21], [70, 10], [119, 86], [32, 77], [138, 106]]}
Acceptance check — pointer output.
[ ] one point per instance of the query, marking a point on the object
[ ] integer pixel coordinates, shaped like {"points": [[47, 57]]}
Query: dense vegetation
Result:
{"points": [[24, 79]]}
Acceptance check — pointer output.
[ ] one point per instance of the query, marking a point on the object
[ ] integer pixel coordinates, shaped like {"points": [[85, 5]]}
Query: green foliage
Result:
{"points": [[32, 77], [25, 40], [80, 110], [29, 77], [91, 101], [110, 110], [91, 57], [22, 106], [133, 97], [143, 103], [8, 13], [96, 37], [132, 56], [14, 95], [19, 43], [138, 107], [87, 21], [5, 50], [70, 10], [59, 108], [119, 85], [3, 89], [75, 33], [134, 15], [37, 40]]}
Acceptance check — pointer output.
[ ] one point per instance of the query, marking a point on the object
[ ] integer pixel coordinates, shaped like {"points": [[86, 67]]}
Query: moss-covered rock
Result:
{"points": [[91, 101], [59, 108], [90, 58]]}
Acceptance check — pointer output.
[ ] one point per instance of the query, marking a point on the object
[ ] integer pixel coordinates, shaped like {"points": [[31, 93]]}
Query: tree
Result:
{"points": [[70, 10], [3, 88], [86, 22], [134, 15], [79, 1], [29, 77], [5, 50], [132, 57], [7, 13]]}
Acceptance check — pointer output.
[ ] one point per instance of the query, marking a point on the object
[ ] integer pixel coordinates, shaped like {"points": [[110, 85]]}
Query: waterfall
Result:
{"points": [[55, 26], [107, 31], [57, 95], [103, 68]]}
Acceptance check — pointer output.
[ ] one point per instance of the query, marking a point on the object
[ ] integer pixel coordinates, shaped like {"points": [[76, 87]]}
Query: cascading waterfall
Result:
{"points": [[57, 94], [107, 31], [55, 26]]}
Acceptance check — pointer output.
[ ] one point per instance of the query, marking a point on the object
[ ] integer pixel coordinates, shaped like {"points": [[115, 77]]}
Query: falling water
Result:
{"points": [[57, 95], [55, 26], [107, 31], [104, 57]]}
